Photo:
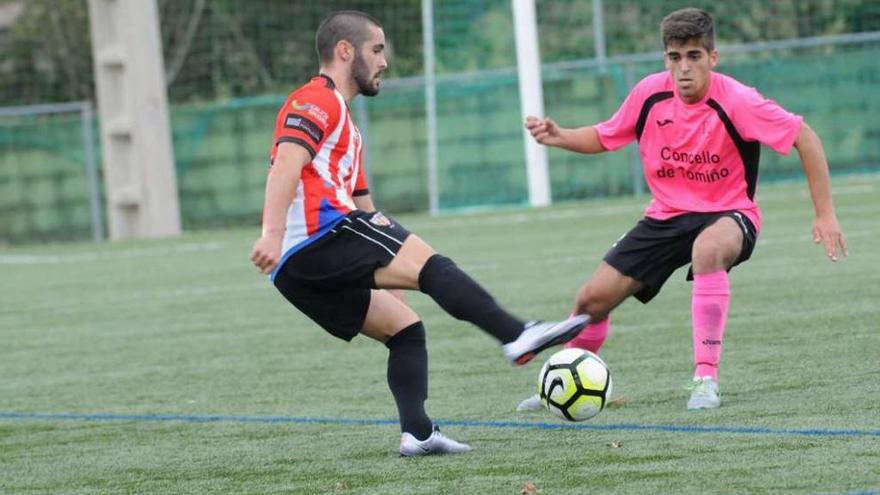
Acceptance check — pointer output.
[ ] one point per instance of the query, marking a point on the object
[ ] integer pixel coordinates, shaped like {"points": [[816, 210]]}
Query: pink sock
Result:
{"points": [[592, 337], [711, 298]]}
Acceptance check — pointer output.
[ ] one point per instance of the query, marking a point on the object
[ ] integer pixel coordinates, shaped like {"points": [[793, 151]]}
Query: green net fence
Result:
{"points": [[837, 103], [229, 65], [44, 186]]}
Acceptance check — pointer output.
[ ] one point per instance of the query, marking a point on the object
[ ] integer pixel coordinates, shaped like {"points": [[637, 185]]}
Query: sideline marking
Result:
{"points": [[198, 418], [103, 255]]}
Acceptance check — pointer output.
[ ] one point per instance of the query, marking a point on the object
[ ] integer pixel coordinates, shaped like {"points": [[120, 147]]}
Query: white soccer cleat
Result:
{"points": [[704, 394], [539, 335], [530, 404], [437, 443]]}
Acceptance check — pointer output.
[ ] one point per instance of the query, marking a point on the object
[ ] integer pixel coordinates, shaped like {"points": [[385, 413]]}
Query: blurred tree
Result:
{"points": [[225, 48], [46, 53]]}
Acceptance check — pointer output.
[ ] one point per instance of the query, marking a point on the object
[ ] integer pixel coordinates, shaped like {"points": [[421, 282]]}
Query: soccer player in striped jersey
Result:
{"points": [[334, 257], [699, 134]]}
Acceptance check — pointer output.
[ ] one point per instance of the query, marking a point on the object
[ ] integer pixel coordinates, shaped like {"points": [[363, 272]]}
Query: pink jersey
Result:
{"points": [[700, 157], [317, 118]]}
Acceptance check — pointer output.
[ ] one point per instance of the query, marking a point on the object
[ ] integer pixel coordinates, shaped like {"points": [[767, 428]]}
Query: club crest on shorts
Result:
{"points": [[379, 219]]}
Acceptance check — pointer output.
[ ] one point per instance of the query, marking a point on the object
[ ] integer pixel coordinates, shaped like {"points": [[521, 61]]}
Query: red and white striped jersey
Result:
{"points": [[316, 117]]}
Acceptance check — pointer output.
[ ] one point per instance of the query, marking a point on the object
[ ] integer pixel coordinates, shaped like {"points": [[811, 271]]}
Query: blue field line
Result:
{"points": [[200, 418]]}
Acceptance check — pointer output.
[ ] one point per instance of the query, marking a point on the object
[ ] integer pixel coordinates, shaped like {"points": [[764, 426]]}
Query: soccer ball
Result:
{"points": [[574, 384]]}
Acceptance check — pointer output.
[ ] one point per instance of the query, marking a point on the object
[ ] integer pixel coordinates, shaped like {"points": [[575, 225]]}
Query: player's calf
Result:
{"points": [[464, 299]]}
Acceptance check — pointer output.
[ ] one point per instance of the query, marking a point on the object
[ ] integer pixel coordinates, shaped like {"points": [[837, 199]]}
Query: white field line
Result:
{"points": [[741, 320], [589, 259], [587, 211], [146, 252], [806, 238], [853, 188], [118, 298], [585, 261], [526, 216], [567, 211]]}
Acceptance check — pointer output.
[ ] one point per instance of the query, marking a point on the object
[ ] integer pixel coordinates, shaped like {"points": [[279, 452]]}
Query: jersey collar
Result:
{"points": [[330, 83]]}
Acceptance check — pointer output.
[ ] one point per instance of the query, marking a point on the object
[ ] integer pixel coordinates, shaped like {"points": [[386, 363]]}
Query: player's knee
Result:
{"points": [[400, 273], [452, 288], [712, 255], [436, 270], [413, 336]]}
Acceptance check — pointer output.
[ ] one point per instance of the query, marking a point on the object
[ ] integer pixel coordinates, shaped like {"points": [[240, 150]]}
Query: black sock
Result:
{"points": [[465, 299], [408, 379]]}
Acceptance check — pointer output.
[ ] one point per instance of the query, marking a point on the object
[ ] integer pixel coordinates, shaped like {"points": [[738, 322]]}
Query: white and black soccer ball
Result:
{"points": [[574, 384]]}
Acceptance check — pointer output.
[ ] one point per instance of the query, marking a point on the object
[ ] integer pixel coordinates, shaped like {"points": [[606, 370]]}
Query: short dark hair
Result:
{"points": [[348, 25], [688, 24]]}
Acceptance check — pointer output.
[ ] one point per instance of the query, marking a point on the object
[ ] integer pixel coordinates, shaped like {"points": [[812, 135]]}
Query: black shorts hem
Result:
{"points": [[330, 281], [646, 293], [652, 250]]}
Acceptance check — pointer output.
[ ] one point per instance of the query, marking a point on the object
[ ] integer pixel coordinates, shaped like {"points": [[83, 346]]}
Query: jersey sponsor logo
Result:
{"points": [[669, 154], [711, 342], [379, 219], [704, 157], [664, 122], [694, 175], [303, 124], [314, 110]]}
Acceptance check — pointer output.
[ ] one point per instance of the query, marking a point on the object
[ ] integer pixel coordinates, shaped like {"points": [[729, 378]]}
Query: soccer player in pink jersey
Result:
{"points": [[333, 256], [699, 134]]}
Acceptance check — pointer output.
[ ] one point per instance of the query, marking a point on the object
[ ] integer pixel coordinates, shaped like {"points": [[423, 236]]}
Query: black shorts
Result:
{"points": [[653, 249], [330, 279]]}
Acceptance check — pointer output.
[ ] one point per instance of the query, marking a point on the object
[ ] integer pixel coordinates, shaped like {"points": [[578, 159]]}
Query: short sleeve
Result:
{"points": [[620, 129], [307, 119], [763, 120]]}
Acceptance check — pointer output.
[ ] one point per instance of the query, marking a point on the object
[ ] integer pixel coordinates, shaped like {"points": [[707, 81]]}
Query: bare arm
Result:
{"points": [[548, 133], [826, 229], [364, 202], [280, 189]]}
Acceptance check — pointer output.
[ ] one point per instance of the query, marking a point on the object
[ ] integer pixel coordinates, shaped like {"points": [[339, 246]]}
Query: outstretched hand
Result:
{"points": [[545, 131], [826, 231]]}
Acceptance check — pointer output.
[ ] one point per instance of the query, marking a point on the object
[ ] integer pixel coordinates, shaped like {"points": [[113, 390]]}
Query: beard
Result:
{"points": [[361, 74]]}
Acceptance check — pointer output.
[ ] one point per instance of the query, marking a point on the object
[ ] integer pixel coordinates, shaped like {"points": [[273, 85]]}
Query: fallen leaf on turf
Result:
{"points": [[529, 488], [618, 401]]}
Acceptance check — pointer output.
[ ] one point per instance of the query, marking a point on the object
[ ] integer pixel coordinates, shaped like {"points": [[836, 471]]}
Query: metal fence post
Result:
{"points": [[599, 36], [531, 98], [430, 105], [88, 137]]}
